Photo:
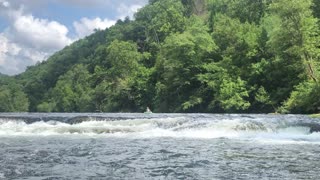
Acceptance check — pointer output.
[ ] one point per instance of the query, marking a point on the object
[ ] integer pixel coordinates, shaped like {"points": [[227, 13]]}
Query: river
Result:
{"points": [[158, 146]]}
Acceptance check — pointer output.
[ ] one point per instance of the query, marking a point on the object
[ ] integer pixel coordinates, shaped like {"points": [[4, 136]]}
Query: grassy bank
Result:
{"points": [[315, 115]]}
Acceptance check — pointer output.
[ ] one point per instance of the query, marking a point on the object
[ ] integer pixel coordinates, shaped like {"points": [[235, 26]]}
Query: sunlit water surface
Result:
{"points": [[158, 146]]}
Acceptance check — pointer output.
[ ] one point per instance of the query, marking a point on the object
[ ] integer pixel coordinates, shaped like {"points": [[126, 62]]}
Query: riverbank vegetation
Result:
{"points": [[216, 56]]}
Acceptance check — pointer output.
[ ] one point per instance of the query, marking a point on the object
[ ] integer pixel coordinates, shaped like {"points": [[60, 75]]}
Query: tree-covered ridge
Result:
{"points": [[184, 56]]}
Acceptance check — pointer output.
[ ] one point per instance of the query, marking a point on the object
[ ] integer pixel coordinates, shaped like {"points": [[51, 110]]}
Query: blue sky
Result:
{"points": [[32, 30]]}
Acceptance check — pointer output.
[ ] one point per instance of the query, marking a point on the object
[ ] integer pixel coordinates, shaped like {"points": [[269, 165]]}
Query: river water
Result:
{"points": [[158, 146]]}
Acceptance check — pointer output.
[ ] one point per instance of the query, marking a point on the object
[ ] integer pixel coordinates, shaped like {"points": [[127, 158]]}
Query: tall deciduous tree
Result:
{"points": [[180, 61], [294, 42], [72, 92], [116, 91], [13, 99], [162, 18]]}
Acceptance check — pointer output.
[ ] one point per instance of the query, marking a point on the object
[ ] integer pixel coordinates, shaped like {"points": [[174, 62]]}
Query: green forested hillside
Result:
{"points": [[252, 56]]}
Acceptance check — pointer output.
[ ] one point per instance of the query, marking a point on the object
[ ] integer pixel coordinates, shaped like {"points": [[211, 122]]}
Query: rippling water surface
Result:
{"points": [[159, 146]]}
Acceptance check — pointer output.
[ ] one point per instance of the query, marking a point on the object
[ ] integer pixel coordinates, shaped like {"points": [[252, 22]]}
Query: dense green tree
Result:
{"points": [[162, 18], [316, 8], [294, 43], [115, 92], [250, 11], [304, 99], [232, 94], [13, 99], [240, 58], [72, 92], [179, 62], [227, 94]]}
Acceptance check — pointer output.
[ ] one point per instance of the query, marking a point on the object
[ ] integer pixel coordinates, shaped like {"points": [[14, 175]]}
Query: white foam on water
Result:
{"points": [[178, 127], [19, 128], [2, 176], [290, 135]]}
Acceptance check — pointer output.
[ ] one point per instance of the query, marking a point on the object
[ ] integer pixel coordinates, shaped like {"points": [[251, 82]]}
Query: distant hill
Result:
{"points": [[212, 56]]}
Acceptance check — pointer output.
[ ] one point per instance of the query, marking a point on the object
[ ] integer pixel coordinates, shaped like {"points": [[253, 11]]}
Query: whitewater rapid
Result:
{"points": [[262, 128], [159, 146]]}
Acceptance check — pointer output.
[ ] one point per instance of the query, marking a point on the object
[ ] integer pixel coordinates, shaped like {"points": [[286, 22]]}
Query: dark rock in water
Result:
{"points": [[247, 116], [80, 119], [31, 119], [66, 118], [314, 127]]}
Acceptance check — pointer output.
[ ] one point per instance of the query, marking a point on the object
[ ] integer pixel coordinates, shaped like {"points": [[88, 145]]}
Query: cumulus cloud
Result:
{"points": [[125, 10], [28, 40], [84, 3], [40, 34], [103, 3], [32, 4], [3, 49], [14, 58], [5, 3], [86, 26]]}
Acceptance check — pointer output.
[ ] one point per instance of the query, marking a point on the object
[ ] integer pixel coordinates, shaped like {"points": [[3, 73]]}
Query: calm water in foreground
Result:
{"points": [[158, 146]]}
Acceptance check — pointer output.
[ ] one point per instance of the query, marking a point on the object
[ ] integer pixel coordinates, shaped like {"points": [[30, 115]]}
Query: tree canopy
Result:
{"points": [[216, 56]]}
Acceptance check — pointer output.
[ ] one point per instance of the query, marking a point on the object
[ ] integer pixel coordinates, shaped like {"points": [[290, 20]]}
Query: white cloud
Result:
{"points": [[14, 58], [41, 34], [35, 4], [87, 26], [5, 3], [125, 10], [7, 49], [3, 49], [101, 3], [28, 40], [84, 3]]}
